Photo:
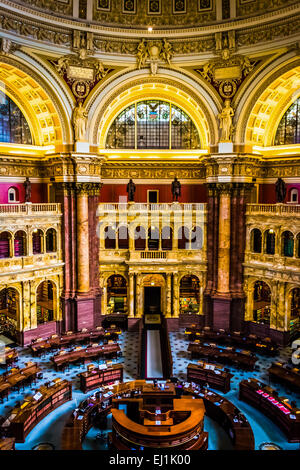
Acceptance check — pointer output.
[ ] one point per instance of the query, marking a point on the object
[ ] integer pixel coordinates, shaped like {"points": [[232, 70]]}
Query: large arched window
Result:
{"points": [[153, 124], [288, 131], [287, 243], [13, 125], [256, 240]]}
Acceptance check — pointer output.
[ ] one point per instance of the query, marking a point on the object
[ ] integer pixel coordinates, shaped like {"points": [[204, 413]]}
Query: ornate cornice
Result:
{"points": [[28, 23], [128, 30]]}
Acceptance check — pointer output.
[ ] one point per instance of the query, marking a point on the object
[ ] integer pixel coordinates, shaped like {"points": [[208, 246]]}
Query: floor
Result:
{"points": [[154, 362], [50, 428]]}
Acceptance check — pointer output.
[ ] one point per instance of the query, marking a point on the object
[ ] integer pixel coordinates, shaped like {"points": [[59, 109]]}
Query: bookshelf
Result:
{"points": [[23, 418], [94, 378]]}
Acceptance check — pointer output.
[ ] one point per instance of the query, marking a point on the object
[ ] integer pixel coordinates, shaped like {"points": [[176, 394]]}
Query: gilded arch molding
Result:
{"points": [[262, 110], [104, 107], [42, 108]]}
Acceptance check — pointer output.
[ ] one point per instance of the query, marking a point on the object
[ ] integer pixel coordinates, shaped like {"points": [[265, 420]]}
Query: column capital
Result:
{"points": [[224, 188], [87, 188]]}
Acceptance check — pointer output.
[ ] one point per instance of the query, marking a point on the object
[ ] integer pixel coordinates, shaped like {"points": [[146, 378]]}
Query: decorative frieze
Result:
{"points": [[152, 171]]}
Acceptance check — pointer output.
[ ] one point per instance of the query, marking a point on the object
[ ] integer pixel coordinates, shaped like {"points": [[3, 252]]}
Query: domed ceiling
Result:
{"points": [[156, 13]]}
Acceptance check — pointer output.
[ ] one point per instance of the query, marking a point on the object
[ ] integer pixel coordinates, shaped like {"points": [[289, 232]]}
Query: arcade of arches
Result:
{"points": [[83, 112]]}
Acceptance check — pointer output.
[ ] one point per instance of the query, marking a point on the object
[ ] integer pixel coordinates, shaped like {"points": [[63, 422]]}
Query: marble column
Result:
{"points": [[169, 295], [131, 295], [83, 278], [224, 240], [175, 295], [138, 300]]}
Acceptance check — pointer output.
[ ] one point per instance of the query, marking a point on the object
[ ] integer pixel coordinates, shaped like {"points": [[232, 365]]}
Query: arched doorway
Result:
{"points": [[295, 311], [154, 293], [261, 303], [189, 294], [9, 311], [116, 294], [45, 302]]}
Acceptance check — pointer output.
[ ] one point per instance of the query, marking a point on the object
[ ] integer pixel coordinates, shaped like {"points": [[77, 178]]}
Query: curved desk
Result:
{"points": [[24, 417], [266, 400], [226, 415], [81, 420], [186, 435]]}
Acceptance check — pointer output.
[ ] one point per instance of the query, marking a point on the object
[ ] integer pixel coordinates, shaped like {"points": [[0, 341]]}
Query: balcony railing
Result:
{"points": [[30, 208], [153, 255], [145, 207], [274, 209]]}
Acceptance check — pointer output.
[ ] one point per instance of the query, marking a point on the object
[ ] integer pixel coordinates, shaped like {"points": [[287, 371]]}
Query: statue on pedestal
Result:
{"points": [[280, 189], [176, 189], [225, 118], [130, 190], [27, 186], [80, 121]]}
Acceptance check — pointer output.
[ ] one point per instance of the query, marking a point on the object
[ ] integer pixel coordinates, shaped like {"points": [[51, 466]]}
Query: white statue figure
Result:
{"points": [[79, 122], [226, 122]]}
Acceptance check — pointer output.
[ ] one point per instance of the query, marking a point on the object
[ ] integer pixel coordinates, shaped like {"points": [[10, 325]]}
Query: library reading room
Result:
{"points": [[149, 225]]}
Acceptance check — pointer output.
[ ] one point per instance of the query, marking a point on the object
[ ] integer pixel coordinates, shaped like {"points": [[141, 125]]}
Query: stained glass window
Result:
{"points": [[153, 124], [13, 125], [288, 131]]}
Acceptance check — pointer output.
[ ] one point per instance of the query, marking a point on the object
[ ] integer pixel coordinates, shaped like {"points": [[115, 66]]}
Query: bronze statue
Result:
{"points": [[280, 189], [130, 190], [27, 186], [176, 189]]}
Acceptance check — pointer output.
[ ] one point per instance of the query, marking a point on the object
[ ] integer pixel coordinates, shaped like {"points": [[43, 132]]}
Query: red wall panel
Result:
{"points": [[189, 192], [38, 192], [267, 193]]}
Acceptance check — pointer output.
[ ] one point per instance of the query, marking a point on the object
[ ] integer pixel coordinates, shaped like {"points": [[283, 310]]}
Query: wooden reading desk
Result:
{"points": [[56, 342], [9, 357], [64, 358], [251, 342], [224, 355], [288, 375], [7, 443], [17, 377], [214, 375]]}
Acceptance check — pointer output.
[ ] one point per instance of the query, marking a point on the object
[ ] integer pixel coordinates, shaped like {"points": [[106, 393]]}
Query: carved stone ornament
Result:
{"points": [[153, 52], [227, 74], [80, 72]]}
